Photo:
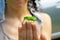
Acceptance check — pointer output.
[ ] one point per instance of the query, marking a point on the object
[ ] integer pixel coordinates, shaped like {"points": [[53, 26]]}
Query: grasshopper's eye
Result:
{"points": [[31, 18]]}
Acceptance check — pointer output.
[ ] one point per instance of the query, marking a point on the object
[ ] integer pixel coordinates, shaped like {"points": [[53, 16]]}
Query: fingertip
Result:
{"points": [[20, 27], [42, 37], [24, 22]]}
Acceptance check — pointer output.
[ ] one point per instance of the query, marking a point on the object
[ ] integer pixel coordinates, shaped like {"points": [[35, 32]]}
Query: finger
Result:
{"points": [[24, 30], [20, 33], [42, 37], [29, 31], [35, 35]]}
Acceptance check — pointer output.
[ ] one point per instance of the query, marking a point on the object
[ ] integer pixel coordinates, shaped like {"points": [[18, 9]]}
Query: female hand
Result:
{"points": [[28, 31]]}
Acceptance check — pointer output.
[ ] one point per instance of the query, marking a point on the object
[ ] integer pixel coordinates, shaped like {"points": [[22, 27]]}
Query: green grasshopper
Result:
{"points": [[30, 18]]}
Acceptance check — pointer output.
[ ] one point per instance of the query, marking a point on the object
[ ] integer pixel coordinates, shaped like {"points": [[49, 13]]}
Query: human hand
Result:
{"points": [[28, 31]]}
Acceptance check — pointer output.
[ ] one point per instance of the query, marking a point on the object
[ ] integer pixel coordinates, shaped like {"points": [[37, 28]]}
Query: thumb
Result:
{"points": [[43, 37]]}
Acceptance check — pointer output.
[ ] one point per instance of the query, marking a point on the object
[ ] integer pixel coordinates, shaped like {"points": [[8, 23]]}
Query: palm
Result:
{"points": [[28, 31]]}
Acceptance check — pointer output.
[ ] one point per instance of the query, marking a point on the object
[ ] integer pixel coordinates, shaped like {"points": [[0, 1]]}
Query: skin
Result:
{"points": [[17, 29]]}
